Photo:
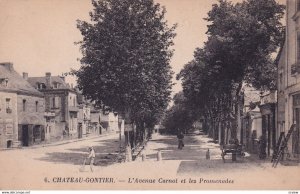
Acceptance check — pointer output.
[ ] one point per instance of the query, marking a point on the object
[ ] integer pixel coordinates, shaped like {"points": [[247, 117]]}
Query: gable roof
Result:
{"points": [[16, 83]]}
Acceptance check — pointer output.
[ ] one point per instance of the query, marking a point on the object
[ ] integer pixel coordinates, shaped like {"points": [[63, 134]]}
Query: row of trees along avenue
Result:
{"points": [[242, 40], [126, 61]]}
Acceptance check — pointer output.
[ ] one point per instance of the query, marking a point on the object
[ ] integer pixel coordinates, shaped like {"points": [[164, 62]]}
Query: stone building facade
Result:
{"points": [[61, 106], [289, 78], [22, 119]]}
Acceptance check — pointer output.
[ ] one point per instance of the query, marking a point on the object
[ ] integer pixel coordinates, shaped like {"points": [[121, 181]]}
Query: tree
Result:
{"points": [[180, 116], [241, 40], [126, 55]]}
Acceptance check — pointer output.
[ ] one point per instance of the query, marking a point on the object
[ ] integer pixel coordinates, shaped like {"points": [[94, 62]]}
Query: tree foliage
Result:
{"points": [[242, 38], [126, 55], [180, 116]]}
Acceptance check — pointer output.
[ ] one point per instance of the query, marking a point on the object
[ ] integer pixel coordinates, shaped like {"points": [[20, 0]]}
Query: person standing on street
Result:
{"points": [[91, 156], [180, 140]]}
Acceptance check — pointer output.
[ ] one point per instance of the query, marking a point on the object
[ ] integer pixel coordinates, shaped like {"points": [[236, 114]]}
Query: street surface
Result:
{"points": [[44, 167]]}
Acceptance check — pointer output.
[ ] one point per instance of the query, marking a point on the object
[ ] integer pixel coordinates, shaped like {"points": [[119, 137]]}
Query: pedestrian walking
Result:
{"points": [[91, 157], [180, 137]]}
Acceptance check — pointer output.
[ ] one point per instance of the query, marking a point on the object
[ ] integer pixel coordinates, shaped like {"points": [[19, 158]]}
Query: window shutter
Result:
{"points": [[57, 102]]}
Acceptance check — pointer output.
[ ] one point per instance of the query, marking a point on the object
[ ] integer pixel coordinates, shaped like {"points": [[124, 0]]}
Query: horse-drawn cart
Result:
{"points": [[233, 148]]}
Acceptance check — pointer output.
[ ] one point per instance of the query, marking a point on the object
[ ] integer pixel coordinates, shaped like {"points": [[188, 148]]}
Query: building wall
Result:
{"points": [[72, 115], [113, 122], [8, 121], [292, 81], [31, 111], [55, 102]]}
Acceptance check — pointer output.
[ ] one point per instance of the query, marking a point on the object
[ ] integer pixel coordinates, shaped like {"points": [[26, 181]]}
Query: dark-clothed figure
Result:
{"points": [[180, 137]]}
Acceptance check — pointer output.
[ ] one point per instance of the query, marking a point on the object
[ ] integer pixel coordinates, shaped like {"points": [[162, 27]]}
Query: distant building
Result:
{"points": [[251, 117], [61, 106], [21, 110], [268, 112], [95, 127], [109, 121]]}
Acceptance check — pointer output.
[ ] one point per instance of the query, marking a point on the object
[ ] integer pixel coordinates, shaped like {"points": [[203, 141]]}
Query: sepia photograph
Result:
{"points": [[149, 95]]}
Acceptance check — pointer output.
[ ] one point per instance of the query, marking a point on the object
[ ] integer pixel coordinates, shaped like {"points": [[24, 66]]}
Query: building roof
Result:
{"points": [[54, 79], [15, 82]]}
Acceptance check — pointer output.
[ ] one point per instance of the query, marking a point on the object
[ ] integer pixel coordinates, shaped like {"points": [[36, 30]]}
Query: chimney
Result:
{"points": [[8, 65], [25, 75], [48, 80]]}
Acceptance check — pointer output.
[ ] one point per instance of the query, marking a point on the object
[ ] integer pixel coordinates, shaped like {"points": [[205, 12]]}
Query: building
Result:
{"points": [[109, 121], [268, 114], [22, 107], [250, 119], [84, 116], [289, 79], [95, 127], [61, 106]]}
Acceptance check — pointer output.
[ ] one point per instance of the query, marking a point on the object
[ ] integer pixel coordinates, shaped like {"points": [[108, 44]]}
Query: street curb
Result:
{"points": [[63, 142]]}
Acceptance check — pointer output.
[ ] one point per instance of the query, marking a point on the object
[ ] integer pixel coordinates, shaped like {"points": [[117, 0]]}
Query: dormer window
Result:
{"points": [[56, 85], [4, 82], [41, 86]]}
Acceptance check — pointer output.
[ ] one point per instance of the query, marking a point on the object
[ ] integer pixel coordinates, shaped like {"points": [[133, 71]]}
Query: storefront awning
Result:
{"points": [[31, 119]]}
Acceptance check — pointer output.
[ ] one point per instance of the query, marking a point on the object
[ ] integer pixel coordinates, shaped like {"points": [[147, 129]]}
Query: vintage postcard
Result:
{"points": [[150, 95]]}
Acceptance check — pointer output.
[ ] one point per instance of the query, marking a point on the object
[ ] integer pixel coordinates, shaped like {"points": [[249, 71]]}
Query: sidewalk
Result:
{"points": [[61, 142]]}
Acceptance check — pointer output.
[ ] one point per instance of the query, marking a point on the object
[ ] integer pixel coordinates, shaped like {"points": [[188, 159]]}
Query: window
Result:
{"points": [[298, 5], [8, 105], [4, 82], [55, 102], [280, 78], [24, 105], [36, 106], [56, 85], [41, 86]]}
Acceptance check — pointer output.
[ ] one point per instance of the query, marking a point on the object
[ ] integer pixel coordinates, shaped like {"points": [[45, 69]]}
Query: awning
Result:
{"points": [[32, 119]]}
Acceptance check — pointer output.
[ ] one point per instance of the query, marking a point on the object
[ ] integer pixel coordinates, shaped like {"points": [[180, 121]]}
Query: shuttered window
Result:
{"points": [[57, 102]]}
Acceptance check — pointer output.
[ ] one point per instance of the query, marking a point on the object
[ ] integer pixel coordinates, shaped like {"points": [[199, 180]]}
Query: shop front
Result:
{"points": [[31, 130]]}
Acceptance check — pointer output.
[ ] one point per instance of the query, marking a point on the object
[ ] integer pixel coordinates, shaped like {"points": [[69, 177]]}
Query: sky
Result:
{"points": [[38, 36]]}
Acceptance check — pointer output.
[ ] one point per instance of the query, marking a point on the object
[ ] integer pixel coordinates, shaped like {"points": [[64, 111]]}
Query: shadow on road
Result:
{"points": [[107, 153], [193, 149]]}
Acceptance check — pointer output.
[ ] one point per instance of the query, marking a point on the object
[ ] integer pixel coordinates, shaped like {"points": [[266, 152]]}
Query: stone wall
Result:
{"points": [[8, 120]]}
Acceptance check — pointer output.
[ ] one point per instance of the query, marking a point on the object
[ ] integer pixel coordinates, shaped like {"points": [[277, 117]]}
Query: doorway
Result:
{"points": [[9, 144], [25, 135]]}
